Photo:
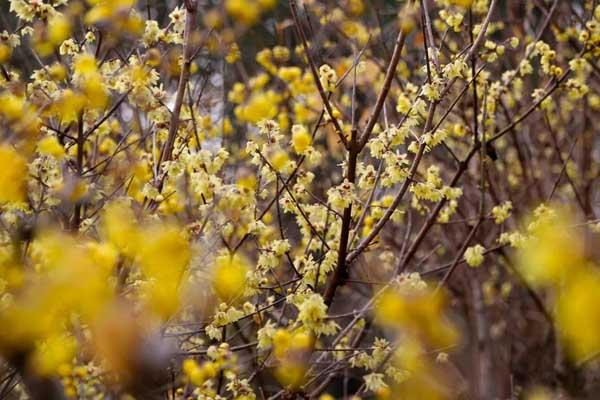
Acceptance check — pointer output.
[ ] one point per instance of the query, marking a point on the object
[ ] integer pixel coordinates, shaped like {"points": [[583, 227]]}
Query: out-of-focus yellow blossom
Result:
{"points": [[553, 257], [247, 12], [420, 311], [461, 3], [234, 54], [67, 280], [57, 72], [59, 29], [51, 146], [11, 106], [104, 255], [120, 15], [247, 183], [163, 258], [119, 224], [52, 354], [291, 349], [553, 249], [13, 175], [575, 304], [260, 106], [69, 105], [89, 79], [198, 374], [539, 393], [291, 375], [326, 396], [5, 53], [289, 74], [281, 53], [84, 66], [301, 139], [229, 277], [283, 341], [407, 18], [279, 160]]}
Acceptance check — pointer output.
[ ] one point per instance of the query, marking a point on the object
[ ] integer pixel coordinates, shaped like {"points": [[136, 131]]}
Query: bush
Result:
{"points": [[260, 199]]}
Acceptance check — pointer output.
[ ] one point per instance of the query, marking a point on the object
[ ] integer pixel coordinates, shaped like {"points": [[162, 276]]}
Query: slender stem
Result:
{"points": [[313, 70], [387, 84], [190, 28]]}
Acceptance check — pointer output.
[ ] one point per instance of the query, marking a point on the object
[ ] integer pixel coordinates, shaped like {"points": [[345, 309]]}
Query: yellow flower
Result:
{"points": [[163, 256], [85, 65], [418, 311], [327, 77], [59, 29], [260, 106], [279, 160], [539, 393], [103, 255], [5, 53], [301, 139], [96, 93], [553, 250], [69, 106], [13, 174], [234, 54], [501, 212], [22, 9], [164, 251], [267, 4], [193, 372], [312, 311], [152, 33], [282, 339], [57, 72], [407, 18], [229, 277], [51, 146], [577, 316], [53, 354], [374, 382], [474, 255], [247, 183], [290, 348], [291, 374], [461, 3], [403, 105], [120, 227], [11, 106], [104, 10], [243, 11], [289, 74]]}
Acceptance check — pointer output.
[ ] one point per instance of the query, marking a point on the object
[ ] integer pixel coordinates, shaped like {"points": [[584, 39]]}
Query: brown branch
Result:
{"points": [[387, 84], [315, 74], [340, 273], [190, 28]]}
